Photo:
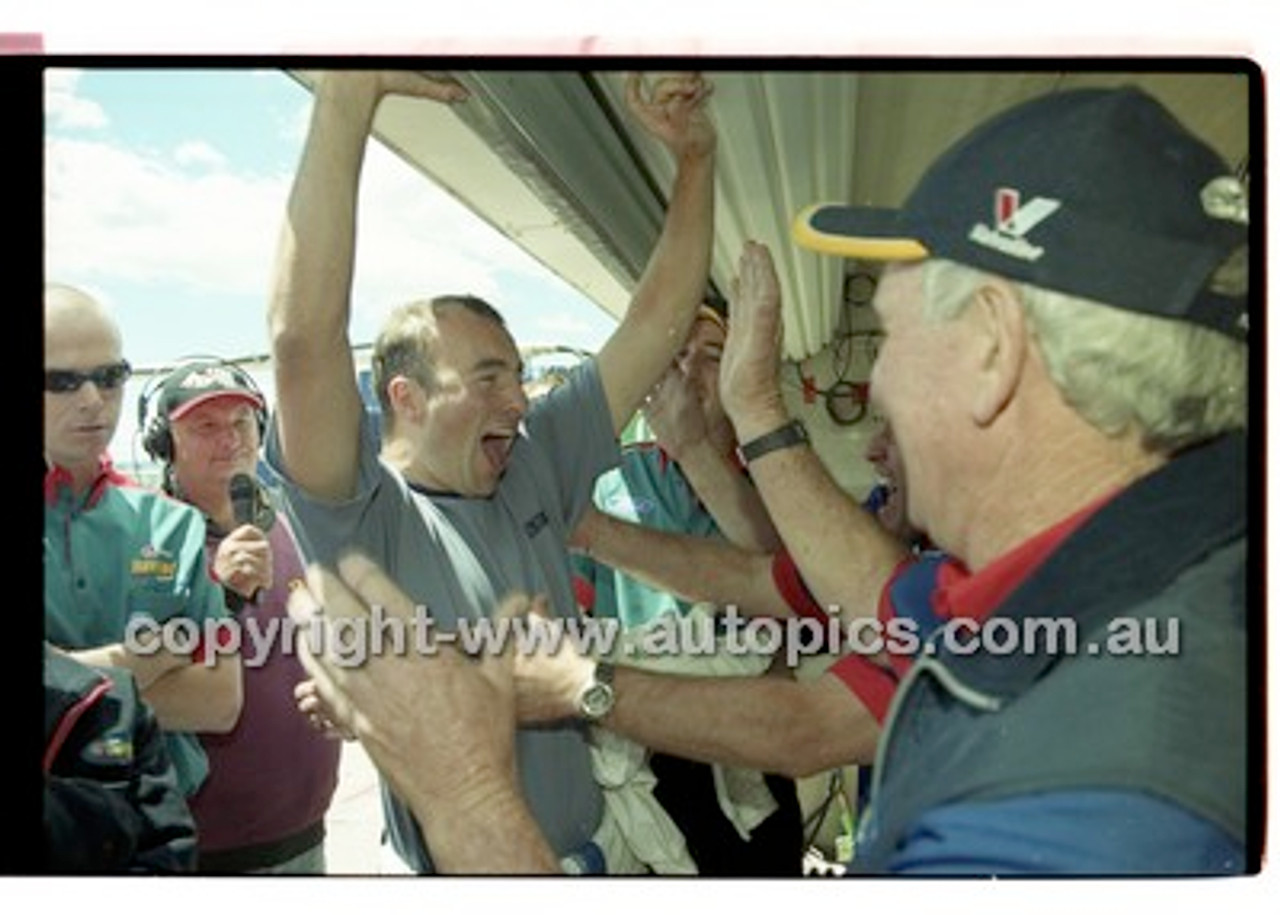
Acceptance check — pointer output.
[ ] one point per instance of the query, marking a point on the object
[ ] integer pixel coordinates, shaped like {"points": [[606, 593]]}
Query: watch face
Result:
{"points": [[597, 700]]}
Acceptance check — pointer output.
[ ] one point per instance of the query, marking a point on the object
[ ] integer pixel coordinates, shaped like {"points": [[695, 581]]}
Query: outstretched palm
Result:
{"points": [[673, 109]]}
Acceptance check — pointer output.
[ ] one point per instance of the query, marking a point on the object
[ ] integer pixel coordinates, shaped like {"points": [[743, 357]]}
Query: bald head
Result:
{"points": [[81, 336], [74, 319]]}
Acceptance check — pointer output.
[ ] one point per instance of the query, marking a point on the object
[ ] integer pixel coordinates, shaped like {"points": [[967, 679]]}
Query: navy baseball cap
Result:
{"points": [[1098, 193], [200, 382]]}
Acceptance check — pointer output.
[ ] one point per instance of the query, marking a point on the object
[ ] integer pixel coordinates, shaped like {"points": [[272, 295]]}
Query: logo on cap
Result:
{"points": [[1012, 221], [212, 377]]}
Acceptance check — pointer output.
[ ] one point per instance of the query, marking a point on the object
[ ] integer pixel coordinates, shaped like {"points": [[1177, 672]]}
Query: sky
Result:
{"points": [[165, 192]]}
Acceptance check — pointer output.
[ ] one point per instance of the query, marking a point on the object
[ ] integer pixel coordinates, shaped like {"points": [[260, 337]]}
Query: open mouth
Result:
{"points": [[497, 448]]}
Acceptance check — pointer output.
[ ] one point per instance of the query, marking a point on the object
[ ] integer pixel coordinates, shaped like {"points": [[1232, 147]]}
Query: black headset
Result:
{"points": [[157, 437]]}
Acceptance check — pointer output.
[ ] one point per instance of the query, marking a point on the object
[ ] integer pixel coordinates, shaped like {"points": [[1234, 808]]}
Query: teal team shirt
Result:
{"points": [[649, 489], [124, 551]]}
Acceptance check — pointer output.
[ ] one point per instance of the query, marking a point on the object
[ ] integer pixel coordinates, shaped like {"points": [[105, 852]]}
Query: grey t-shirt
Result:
{"points": [[460, 556]]}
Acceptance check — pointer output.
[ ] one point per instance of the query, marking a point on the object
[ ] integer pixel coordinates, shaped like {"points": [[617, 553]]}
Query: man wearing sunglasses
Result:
{"points": [[120, 559]]}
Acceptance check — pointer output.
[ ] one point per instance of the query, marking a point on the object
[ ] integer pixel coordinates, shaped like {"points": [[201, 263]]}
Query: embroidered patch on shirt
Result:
{"points": [[118, 749], [153, 563]]}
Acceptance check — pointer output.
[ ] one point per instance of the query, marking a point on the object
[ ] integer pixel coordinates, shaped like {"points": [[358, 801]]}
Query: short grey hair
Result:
{"points": [[404, 347], [1171, 382]]}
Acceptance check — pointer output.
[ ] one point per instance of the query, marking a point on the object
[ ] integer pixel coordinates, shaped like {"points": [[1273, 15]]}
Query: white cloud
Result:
{"points": [[199, 154], [111, 212], [415, 241], [65, 109], [186, 221], [143, 217]]}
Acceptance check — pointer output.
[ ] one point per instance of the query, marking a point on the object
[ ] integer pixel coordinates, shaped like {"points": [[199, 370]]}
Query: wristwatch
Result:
{"points": [[596, 699], [793, 433]]}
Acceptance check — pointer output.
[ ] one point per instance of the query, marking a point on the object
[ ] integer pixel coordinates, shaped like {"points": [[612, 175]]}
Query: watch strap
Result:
{"points": [[793, 433]]}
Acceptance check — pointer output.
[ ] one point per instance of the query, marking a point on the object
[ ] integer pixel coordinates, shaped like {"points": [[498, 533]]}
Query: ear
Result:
{"points": [[1000, 335], [405, 398]]}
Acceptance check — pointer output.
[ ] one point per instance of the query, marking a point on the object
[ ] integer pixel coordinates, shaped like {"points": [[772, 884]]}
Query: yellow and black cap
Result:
{"points": [[1099, 193]]}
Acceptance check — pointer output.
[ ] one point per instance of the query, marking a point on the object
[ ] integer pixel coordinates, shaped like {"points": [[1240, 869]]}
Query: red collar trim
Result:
{"points": [[960, 594], [664, 458], [57, 477]]}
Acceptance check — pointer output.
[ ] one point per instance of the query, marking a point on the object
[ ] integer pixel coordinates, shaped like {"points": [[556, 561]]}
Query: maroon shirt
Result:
{"points": [[272, 776]]}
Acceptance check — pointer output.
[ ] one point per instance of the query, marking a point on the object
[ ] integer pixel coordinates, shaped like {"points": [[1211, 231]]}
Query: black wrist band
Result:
{"points": [[793, 433], [233, 600]]}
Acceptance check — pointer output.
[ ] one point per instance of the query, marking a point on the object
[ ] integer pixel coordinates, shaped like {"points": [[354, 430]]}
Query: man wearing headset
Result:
{"points": [[272, 777], [117, 554]]}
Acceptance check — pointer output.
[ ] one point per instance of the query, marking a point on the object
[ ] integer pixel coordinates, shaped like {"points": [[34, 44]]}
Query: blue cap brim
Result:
{"points": [[865, 233]]}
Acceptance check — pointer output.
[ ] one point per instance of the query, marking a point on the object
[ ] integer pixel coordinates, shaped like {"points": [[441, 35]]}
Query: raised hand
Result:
{"points": [[431, 718], [415, 83], [675, 413], [749, 386], [673, 109], [379, 83]]}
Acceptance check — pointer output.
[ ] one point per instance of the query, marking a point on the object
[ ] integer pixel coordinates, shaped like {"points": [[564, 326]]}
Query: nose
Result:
{"points": [[89, 395], [515, 400], [230, 437]]}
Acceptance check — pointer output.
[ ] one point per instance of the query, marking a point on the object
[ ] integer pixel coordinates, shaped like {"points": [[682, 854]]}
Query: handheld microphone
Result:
{"points": [[244, 498]]}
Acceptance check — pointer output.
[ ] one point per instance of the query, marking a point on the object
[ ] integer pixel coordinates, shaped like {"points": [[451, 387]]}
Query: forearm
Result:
{"points": [[317, 250], [145, 667], [667, 298], [317, 401], [198, 697], [729, 496], [692, 568], [844, 554], [486, 829], [675, 278], [774, 724]]}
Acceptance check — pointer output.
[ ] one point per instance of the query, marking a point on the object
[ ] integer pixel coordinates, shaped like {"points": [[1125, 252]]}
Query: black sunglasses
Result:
{"points": [[104, 377]]}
